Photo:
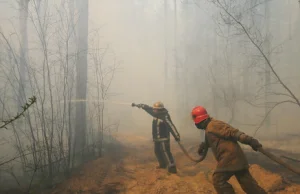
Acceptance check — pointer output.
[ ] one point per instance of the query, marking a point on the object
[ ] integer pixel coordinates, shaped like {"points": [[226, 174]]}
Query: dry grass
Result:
{"points": [[135, 173]]}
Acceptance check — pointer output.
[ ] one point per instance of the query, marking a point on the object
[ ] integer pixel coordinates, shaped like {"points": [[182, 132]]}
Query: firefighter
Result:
{"points": [[162, 126], [223, 140]]}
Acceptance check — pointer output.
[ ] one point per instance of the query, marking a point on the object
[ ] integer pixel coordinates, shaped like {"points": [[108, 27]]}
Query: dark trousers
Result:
{"points": [[247, 182], [163, 154]]}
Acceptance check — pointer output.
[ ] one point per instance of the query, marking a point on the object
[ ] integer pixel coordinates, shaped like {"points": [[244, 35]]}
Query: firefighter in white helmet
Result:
{"points": [[162, 126]]}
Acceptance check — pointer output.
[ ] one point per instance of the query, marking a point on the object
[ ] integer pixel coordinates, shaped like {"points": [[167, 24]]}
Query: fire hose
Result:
{"points": [[202, 156], [279, 161], [261, 150]]}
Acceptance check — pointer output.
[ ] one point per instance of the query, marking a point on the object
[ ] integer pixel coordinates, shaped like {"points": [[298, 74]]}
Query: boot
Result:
{"points": [[172, 169]]}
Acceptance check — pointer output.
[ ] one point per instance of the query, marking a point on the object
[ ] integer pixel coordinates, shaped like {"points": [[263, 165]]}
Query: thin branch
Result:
{"points": [[16, 157], [260, 51], [286, 101], [32, 100], [279, 94]]}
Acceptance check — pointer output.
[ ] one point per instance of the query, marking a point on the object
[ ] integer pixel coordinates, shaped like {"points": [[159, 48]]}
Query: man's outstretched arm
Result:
{"points": [[248, 140], [226, 131], [149, 110]]}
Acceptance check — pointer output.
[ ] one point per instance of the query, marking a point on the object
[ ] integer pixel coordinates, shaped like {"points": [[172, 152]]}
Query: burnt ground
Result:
{"points": [[258, 158], [131, 169]]}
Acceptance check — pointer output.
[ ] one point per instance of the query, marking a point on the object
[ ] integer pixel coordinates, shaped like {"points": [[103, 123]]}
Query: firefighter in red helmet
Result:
{"points": [[223, 140]]}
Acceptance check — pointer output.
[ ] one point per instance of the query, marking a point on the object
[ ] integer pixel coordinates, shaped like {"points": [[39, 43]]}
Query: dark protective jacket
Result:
{"points": [[222, 139], [162, 124]]}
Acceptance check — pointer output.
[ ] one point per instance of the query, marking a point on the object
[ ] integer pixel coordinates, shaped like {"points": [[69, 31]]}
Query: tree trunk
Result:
{"points": [[71, 49], [215, 51], [247, 62], [175, 42], [166, 46], [290, 22], [23, 17], [81, 77], [177, 85], [231, 93], [267, 68]]}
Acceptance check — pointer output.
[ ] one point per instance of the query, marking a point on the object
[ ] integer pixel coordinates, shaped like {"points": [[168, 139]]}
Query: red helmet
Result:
{"points": [[199, 114]]}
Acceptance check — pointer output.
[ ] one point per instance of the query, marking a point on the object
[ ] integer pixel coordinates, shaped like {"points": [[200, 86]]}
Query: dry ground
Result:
{"points": [[130, 169]]}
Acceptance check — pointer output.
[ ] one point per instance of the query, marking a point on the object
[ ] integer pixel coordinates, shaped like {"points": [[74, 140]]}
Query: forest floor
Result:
{"points": [[130, 168]]}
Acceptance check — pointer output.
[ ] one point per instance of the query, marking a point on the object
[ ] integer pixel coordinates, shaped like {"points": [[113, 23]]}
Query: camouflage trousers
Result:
{"points": [[247, 182], [162, 150]]}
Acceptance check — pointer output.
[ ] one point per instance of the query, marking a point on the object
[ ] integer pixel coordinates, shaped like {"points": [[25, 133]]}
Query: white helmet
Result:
{"points": [[158, 105]]}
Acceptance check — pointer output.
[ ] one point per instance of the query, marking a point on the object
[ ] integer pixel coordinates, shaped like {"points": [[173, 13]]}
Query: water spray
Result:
{"points": [[99, 101]]}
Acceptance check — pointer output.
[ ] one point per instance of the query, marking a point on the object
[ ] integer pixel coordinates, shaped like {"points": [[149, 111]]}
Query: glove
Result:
{"points": [[137, 105], [248, 140], [177, 138], [254, 143], [201, 148]]}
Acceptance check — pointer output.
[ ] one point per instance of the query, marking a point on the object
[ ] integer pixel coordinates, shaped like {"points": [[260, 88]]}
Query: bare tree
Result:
{"points": [[105, 66], [81, 74], [225, 95], [45, 141], [235, 18]]}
